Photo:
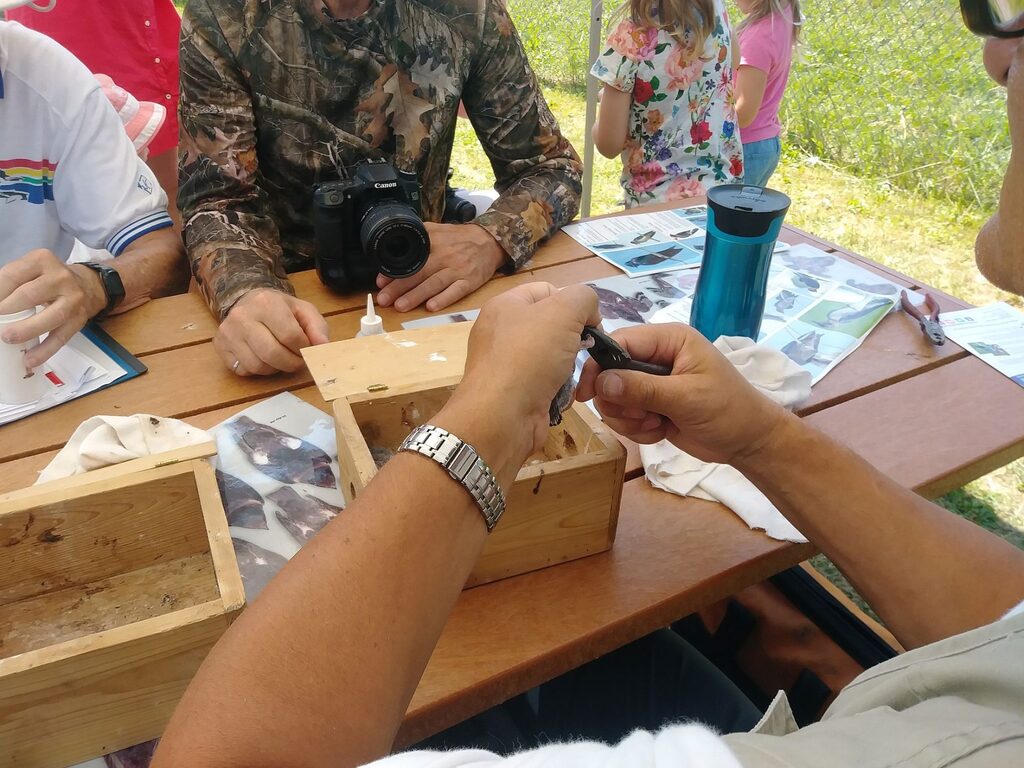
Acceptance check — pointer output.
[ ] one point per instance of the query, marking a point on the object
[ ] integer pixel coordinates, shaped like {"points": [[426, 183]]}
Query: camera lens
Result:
{"points": [[393, 234]]}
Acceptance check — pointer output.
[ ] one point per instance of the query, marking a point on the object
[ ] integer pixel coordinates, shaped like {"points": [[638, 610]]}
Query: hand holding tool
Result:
{"points": [[609, 355]]}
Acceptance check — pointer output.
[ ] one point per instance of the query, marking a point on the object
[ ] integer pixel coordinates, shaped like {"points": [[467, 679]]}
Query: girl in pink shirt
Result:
{"points": [[767, 35]]}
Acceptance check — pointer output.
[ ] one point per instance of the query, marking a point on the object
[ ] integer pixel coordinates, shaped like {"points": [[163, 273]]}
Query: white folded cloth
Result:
{"points": [[677, 472], [104, 440]]}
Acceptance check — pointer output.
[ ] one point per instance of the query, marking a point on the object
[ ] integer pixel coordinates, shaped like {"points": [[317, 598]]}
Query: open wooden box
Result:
{"points": [[564, 503], [114, 586]]}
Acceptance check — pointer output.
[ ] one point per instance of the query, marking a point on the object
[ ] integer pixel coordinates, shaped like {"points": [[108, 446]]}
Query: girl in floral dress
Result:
{"points": [[667, 106]]}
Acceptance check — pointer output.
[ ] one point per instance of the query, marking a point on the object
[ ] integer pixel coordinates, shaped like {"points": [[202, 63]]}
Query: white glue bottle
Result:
{"points": [[370, 324]]}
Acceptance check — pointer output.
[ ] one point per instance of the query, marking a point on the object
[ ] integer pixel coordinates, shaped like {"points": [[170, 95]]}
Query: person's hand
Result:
{"points": [[521, 351], [265, 330], [462, 258], [705, 407], [70, 295]]}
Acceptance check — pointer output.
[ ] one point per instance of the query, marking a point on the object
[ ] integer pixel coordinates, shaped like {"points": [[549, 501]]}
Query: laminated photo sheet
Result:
{"points": [[831, 322], [813, 321], [645, 243], [813, 261], [994, 333], [277, 470]]}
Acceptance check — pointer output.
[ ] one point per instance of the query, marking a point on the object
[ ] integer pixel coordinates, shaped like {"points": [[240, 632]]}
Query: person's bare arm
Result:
{"points": [[611, 129], [750, 85], [151, 267], [320, 669], [928, 573]]}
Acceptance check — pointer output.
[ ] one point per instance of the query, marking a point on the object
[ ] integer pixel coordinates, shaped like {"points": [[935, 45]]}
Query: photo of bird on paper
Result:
{"points": [[648, 252]]}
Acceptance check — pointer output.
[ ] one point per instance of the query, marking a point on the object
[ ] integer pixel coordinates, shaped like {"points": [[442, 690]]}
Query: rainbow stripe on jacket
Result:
{"points": [[30, 180]]}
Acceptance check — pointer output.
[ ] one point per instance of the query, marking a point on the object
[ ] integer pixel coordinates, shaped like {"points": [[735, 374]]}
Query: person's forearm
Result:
{"points": [[151, 267], [533, 208], [320, 669], [959, 576], [230, 259]]}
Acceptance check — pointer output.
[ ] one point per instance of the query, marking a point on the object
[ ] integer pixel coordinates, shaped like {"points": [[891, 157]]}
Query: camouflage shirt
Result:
{"points": [[276, 96]]}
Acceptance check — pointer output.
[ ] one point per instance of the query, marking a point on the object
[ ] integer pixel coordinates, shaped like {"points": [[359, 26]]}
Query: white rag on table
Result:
{"points": [[104, 440], [670, 469]]}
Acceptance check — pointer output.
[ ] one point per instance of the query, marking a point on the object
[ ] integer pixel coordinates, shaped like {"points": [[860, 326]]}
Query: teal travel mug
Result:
{"points": [[743, 225]]}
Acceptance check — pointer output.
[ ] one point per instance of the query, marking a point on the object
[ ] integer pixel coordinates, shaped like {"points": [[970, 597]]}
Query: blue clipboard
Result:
{"points": [[130, 364]]}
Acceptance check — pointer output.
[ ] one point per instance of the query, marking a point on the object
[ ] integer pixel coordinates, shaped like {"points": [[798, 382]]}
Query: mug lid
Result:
{"points": [[746, 211]]}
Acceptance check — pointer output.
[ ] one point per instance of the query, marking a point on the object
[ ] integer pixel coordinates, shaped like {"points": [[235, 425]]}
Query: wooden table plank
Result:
{"points": [[895, 350], [671, 556], [936, 432]]}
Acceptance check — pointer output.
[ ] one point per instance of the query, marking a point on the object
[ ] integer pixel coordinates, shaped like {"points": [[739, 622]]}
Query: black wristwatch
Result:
{"points": [[112, 286]]}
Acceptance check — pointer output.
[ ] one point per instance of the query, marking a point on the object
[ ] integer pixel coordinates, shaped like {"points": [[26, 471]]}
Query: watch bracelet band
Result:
{"points": [[464, 464], [102, 270]]}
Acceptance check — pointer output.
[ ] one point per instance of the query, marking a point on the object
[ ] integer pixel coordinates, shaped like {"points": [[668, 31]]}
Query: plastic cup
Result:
{"points": [[18, 384]]}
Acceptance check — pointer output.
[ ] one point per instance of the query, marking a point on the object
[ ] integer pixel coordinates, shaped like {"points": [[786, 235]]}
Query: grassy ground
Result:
{"points": [[920, 236]]}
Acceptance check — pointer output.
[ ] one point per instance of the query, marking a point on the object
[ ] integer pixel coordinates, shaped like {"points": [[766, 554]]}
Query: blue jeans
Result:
{"points": [[760, 159]]}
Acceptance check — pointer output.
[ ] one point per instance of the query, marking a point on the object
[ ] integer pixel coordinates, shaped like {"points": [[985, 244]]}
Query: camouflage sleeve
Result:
{"points": [[537, 170], [230, 236]]}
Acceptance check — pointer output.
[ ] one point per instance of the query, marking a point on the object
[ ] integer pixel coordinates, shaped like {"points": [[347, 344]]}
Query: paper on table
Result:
{"points": [[648, 243], [812, 321], [816, 317], [453, 317], [645, 243], [277, 468], [994, 333], [77, 368]]}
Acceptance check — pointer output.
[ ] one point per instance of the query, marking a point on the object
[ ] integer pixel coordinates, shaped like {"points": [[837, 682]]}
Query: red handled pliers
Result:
{"points": [[930, 326]]}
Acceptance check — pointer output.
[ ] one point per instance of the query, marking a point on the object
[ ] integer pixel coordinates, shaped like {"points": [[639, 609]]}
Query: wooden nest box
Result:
{"points": [[115, 585], [564, 503]]}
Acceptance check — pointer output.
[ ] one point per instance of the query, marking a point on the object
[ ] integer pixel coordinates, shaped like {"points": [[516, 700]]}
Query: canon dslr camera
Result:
{"points": [[368, 224]]}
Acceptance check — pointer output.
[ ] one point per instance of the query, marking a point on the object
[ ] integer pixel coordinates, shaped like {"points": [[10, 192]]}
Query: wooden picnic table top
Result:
{"points": [[933, 418]]}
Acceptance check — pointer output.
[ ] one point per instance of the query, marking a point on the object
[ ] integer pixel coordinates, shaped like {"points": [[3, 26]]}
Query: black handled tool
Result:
{"points": [[609, 355], [930, 326]]}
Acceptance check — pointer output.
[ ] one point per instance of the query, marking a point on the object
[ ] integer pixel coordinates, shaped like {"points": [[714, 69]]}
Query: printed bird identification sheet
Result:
{"points": [[994, 333]]}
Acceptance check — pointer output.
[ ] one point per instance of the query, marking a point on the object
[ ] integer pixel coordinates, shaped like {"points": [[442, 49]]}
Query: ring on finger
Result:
{"points": [[234, 367]]}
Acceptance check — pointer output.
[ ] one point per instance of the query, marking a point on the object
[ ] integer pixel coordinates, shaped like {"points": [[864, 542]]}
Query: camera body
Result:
{"points": [[368, 224], [371, 223]]}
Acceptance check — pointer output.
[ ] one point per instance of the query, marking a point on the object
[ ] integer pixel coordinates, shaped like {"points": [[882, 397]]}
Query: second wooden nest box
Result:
{"points": [[564, 503]]}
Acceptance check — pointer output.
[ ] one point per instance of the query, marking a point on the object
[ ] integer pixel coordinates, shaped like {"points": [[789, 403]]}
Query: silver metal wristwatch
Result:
{"points": [[464, 464]]}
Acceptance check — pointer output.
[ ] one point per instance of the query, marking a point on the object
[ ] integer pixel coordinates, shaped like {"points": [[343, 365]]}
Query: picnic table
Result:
{"points": [[933, 418]]}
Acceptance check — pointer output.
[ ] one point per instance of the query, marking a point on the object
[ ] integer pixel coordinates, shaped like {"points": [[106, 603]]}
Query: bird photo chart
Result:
{"points": [[277, 469]]}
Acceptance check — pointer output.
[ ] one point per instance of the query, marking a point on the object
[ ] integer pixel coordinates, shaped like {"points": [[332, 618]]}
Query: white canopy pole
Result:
{"points": [[596, 11]]}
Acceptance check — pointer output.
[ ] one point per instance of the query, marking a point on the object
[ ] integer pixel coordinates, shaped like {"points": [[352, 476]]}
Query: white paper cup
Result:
{"points": [[19, 385]]}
